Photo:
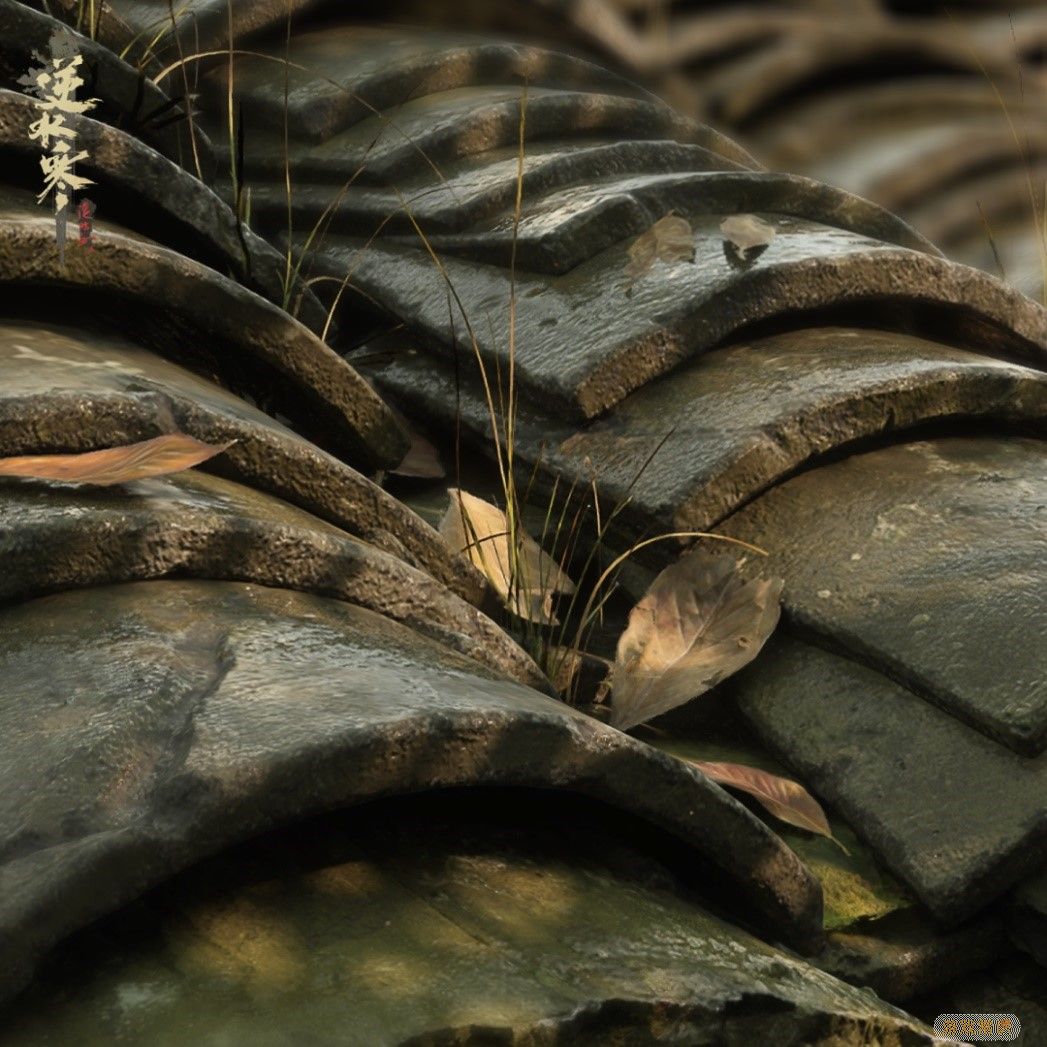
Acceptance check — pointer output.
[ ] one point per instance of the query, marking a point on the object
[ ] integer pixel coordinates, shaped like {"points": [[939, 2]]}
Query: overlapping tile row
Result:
{"points": [[150, 724], [849, 328], [462, 917], [931, 110], [194, 659], [931, 116], [397, 135], [731, 374], [127, 97], [140, 177], [936, 120]]}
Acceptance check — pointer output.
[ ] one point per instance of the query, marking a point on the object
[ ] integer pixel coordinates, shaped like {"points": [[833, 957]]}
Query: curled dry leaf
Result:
{"points": [[670, 238], [784, 798], [698, 623], [746, 231], [170, 453], [527, 581]]}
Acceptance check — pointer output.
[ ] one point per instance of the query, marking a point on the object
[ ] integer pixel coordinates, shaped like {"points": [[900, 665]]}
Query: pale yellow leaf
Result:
{"points": [[526, 581], [747, 231], [698, 623], [670, 238]]}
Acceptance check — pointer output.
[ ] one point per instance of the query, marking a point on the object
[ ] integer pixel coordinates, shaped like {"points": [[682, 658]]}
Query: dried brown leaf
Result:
{"points": [[481, 531], [784, 798], [699, 622], [670, 238], [170, 453], [422, 461], [747, 231]]}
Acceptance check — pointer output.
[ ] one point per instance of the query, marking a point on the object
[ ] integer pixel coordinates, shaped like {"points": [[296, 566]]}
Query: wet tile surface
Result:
{"points": [[147, 725]]}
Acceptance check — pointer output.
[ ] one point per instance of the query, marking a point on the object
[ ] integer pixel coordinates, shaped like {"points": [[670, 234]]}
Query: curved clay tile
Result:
{"points": [[71, 390], [915, 580], [127, 98], [490, 922], [744, 417], [183, 717], [987, 801], [190, 311], [148, 194], [199, 525], [849, 96], [746, 370]]}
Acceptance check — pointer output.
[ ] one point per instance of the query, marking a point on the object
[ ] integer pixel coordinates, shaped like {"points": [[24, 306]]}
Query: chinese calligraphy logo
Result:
{"points": [[54, 83]]}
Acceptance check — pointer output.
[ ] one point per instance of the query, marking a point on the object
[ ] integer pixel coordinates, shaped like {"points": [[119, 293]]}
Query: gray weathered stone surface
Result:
{"points": [[938, 578], [187, 310], [127, 100], [571, 225], [147, 725], [904, 955], [402, 922], [1027, 917], [955, 815], [1013, 987], [583, 344], [727, 424], [194, 524], [67, 390]]}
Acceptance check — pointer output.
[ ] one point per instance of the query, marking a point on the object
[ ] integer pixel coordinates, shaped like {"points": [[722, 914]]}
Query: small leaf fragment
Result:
{"points": [[670, 238], [747, 231], [698, 623], [784, 798], [526, 581], [422, 461], [159, 456], [564, 664]]}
